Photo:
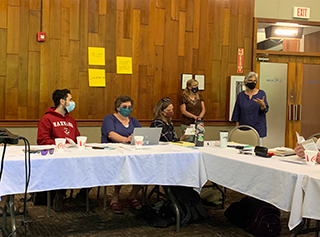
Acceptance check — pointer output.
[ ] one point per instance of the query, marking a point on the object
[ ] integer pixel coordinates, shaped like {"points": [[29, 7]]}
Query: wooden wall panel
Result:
{"points": [[3, 52], [165, 38]]}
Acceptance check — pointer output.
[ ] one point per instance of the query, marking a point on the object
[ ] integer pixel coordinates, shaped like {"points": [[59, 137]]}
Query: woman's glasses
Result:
{"points": [[125, 106], [164, 100]]}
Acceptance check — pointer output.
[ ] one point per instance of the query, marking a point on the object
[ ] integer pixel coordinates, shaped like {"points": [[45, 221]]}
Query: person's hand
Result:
{"points": [[129, 138], [318, 158], [184, 137], [260, 102], [299, 150]]}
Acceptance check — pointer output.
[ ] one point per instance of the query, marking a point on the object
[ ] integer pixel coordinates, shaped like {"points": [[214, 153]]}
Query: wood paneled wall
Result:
{"points": [[164, 37]]}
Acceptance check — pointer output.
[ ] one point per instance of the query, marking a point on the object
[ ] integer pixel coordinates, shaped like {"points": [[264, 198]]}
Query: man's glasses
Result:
{"points": [[43, 152], [164, 100], [125, 106]]}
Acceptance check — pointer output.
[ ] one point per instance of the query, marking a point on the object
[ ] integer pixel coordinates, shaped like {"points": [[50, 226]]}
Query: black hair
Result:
{"points": [[57, 95]]}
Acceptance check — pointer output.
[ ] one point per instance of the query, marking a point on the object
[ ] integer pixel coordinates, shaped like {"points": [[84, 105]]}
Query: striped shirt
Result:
{"points": [[168, 134]]}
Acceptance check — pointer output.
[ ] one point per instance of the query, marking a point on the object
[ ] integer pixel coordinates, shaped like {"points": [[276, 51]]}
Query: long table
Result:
{"points": [[286, 182], [74, 168]]}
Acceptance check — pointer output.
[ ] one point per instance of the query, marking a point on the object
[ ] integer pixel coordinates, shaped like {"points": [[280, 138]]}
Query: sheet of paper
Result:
{"points": [[318, 143], [97, 77], [309, 145], [96, 56], [190, 131], [299, 138], [185, 77], [124, 65], [201, 81]]}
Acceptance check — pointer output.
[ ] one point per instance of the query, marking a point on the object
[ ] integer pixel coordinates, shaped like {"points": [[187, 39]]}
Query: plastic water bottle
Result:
{"points": [[199, 133]]}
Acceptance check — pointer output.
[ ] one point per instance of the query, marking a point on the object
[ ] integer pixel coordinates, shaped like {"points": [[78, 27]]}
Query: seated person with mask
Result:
{"points": [[118, 128], [57, 123]]}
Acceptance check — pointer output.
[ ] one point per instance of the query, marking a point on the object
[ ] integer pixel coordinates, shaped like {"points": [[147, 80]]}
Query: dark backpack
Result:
{"points": [[189, 204], [159, 214], [258, 217]]}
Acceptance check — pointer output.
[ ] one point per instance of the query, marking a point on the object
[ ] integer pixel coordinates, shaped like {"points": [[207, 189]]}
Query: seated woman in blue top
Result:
{"points": [[251, 106], [162, 115], [118, 128]]}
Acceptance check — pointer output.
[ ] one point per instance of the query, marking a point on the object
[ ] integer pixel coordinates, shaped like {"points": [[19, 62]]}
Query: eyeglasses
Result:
{"points": [[164, 100], [125, 106], [43, 152]]}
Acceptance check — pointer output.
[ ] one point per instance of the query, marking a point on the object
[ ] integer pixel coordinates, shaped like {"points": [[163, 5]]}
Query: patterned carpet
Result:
{"points": [[75, 221]]}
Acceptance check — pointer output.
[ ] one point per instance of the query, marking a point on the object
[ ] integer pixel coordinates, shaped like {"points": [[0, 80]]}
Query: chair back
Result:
{"points": [[316, 135], [250, 136]]}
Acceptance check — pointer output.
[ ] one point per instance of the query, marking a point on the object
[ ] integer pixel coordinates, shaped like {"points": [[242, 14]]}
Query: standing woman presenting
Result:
{"points": [[191, 105], [251, 106]]}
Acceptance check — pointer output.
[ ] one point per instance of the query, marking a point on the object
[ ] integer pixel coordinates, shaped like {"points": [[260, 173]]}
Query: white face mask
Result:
{"points": [[71, 106]]}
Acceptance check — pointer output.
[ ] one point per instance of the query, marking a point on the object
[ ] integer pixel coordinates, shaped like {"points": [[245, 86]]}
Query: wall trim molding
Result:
{"points": [[98, 122]]}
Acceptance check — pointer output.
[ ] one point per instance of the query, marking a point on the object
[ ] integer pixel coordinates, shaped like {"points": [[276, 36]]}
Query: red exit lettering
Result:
{"points": [[302, 12]]}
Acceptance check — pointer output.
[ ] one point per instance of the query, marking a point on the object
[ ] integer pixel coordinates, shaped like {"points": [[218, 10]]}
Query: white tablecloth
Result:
{"points": [[284, 182], [73, 168], [279, 181]]}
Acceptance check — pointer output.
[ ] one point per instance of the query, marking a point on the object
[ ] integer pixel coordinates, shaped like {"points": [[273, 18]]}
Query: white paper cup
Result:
{"points": [[81, 141], [138, 140], [223, 139], [60, 144], [311, 157], [193, 126]]}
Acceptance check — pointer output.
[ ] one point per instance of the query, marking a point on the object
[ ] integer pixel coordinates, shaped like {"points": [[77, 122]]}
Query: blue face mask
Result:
{"points": [[125, 112], [195, 90], [71, 106]]}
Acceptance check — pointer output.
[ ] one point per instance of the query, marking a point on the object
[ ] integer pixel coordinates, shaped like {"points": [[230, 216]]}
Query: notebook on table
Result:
{"points": [[151, 136]]}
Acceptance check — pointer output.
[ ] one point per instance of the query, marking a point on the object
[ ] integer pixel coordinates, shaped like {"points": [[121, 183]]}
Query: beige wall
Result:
{"points": [[93, 133], [282, 9]]}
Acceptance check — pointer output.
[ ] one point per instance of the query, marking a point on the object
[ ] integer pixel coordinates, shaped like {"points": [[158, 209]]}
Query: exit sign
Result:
{"points": [[301, 12]]}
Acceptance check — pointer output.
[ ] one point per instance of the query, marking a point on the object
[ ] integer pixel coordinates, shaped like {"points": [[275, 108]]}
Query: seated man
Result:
{"points": [[300, 152], [57, 123]]}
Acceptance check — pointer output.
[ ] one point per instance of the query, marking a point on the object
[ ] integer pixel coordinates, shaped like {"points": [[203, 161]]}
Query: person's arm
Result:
{"points": [[184, 137], [118, 138], [45, 133], [236, 112], [186, 113], [203, 110], [108, 131]]}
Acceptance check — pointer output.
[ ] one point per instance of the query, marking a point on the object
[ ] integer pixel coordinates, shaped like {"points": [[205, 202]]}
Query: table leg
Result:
{"points": [[176, 209], [13, 219], [105, 198], [48, 203], [4, 216], [87, 200], [316, 234]]}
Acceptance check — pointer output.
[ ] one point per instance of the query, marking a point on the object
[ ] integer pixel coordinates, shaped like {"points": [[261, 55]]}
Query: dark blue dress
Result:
{"points": [[247, 112], [112, 124]]}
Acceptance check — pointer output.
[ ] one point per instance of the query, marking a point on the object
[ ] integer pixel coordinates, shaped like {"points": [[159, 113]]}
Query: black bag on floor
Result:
{"points": [[159, 214], [189, 204], [258, 217]]}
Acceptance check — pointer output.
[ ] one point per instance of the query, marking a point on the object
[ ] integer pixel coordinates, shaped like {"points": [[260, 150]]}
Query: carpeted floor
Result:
{"points": [[75, 221]]}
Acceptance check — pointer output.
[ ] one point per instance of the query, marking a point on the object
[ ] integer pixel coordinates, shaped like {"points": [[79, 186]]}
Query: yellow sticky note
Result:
{"points": [[97, 77], [124, 65], [96, 56]]}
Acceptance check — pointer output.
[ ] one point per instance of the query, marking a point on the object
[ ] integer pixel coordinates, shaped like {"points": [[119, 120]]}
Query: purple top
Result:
{"points": [[248, 112], [112, 124]]}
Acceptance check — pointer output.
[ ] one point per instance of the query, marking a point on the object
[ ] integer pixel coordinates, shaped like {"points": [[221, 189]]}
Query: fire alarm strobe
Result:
{"points": [[41, 36]]}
